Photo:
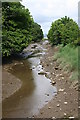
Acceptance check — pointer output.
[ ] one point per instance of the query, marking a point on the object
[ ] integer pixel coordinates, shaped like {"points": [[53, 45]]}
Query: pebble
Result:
{"points": [[65, 93], [79, 107], [10, 68], [58, 105], [62, 78], [49, 107], [53, 82], [60, 74], [47, 94], [65, 103], [56, 68], [21, 63], [65, 114], [61, 90], [41, 73], [15, 64], [60, 109], [4, 68], [33, 67], [53, 118], [30, 68], [51, 63], [71, 117]]}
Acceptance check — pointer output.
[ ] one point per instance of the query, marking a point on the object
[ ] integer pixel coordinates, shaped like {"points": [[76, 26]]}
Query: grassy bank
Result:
{"points": [[68, 58]]}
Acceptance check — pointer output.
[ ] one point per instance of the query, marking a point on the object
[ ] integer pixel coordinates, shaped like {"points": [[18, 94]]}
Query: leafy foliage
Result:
{"points": [[15, 31], [64, 31], [36, 32], [17, 28]]}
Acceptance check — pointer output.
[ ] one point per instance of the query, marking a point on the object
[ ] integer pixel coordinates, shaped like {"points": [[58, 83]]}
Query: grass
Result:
{"points": [[68, 57]]}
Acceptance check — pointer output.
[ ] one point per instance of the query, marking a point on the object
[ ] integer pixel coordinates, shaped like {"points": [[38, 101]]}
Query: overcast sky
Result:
{"points": [[45, 12]]}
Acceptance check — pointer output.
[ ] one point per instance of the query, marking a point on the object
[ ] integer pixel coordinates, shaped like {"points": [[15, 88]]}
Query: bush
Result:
{"points": [[15, 32], [36, 32], [63, 31], [18, 28]]}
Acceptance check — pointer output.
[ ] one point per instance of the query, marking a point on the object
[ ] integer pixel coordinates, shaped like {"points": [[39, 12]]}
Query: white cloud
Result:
{"points": [[46, 11]]}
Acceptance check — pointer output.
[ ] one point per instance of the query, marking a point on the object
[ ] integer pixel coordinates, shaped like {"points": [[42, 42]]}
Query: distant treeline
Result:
{"points": [[18, 28], [64, 31]]}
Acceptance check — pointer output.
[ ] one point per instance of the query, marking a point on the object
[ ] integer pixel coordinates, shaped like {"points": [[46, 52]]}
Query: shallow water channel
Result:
{"points": [[36, 90]]}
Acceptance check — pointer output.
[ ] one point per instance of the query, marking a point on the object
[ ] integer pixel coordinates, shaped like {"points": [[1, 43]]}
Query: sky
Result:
{"points": [[45, 12]]}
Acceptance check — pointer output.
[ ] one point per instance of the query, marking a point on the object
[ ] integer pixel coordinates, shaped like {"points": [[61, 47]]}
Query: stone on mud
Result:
{"points": [[42, 73], [53, 82]]}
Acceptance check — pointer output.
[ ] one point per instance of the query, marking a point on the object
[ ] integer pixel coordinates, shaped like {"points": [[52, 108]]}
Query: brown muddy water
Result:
{"points": [[36, 90]]}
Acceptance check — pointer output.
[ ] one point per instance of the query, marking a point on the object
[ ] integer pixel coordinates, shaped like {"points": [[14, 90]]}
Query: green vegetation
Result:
{"points": [[17, 28], [64, 31], [68, 59], [36, 32]]}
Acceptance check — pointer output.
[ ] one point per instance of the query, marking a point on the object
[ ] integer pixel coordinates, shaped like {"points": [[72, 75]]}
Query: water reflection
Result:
{"points": [[32, 96]]}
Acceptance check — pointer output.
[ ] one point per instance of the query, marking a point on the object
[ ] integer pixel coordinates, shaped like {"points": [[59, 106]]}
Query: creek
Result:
{"points": [[35, 92]]}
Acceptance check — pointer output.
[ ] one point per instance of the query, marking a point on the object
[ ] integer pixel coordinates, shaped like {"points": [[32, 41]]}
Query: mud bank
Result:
{"points": [[65, 103], [10, 84]]}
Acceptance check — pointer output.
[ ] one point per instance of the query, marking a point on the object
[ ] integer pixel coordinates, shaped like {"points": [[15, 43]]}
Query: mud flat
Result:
{"points": [[10, 84]]}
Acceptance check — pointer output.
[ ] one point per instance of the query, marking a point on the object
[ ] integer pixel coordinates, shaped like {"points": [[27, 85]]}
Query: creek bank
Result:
{"points": [[65, 103], [10, 84]]}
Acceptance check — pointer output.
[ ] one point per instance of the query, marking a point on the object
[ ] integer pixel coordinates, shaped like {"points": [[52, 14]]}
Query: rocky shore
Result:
{"points": [[65, 103]]}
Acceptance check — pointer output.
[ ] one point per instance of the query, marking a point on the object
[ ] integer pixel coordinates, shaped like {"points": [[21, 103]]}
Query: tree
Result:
{"points": [[15, 28], [36, 32], [63, 31]]}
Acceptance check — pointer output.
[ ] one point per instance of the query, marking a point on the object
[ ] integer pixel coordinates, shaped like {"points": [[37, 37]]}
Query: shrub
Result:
{"points": [[63, 31], [36, 32], [18, 28]]}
